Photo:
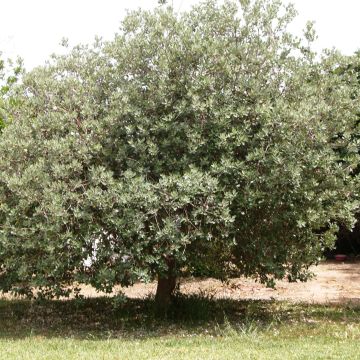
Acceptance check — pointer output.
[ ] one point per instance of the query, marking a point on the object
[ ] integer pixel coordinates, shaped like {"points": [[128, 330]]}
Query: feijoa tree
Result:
{"points": [[201, 143]]}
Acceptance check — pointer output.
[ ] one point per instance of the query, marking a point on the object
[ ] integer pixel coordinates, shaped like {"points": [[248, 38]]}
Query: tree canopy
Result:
{"points": [[199, 143]]}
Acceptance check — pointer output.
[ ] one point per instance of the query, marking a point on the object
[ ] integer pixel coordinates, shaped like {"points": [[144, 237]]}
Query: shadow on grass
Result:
{"points": [[99, 318]]}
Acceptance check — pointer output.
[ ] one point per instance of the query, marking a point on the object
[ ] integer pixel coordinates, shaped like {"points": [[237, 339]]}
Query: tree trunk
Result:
{"points": [[165, 288]]}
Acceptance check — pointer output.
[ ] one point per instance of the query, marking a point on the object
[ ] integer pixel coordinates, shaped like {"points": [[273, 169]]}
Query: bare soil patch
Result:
{"points": [[335, 282]]}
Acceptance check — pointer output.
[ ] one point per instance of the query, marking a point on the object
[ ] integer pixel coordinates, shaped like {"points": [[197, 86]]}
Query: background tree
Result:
{"points": [[194, 143]]}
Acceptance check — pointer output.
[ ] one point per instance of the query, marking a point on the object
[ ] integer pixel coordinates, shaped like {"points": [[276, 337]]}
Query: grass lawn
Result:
{"points": [[195, 328]]}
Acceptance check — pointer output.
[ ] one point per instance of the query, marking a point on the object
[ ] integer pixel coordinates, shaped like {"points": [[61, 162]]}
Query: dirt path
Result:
{"points": [[335, 282]]}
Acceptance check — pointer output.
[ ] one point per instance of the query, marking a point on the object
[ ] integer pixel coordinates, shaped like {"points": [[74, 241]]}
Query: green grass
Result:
{"points": [[195, 328]]}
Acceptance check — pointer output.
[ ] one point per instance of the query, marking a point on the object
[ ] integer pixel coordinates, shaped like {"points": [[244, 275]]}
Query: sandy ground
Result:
{"points": [[335, 282]]}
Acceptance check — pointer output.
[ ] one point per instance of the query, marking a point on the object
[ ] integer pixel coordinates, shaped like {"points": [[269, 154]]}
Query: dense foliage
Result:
{"points": [[197, 143]]}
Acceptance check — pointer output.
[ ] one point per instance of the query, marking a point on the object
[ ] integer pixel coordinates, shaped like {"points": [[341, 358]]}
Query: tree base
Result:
{"points": [[165, 289]]}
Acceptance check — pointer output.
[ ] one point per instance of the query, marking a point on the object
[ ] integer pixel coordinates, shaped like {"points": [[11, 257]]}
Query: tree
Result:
{"points": [[348, 240], [198, 143]]}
